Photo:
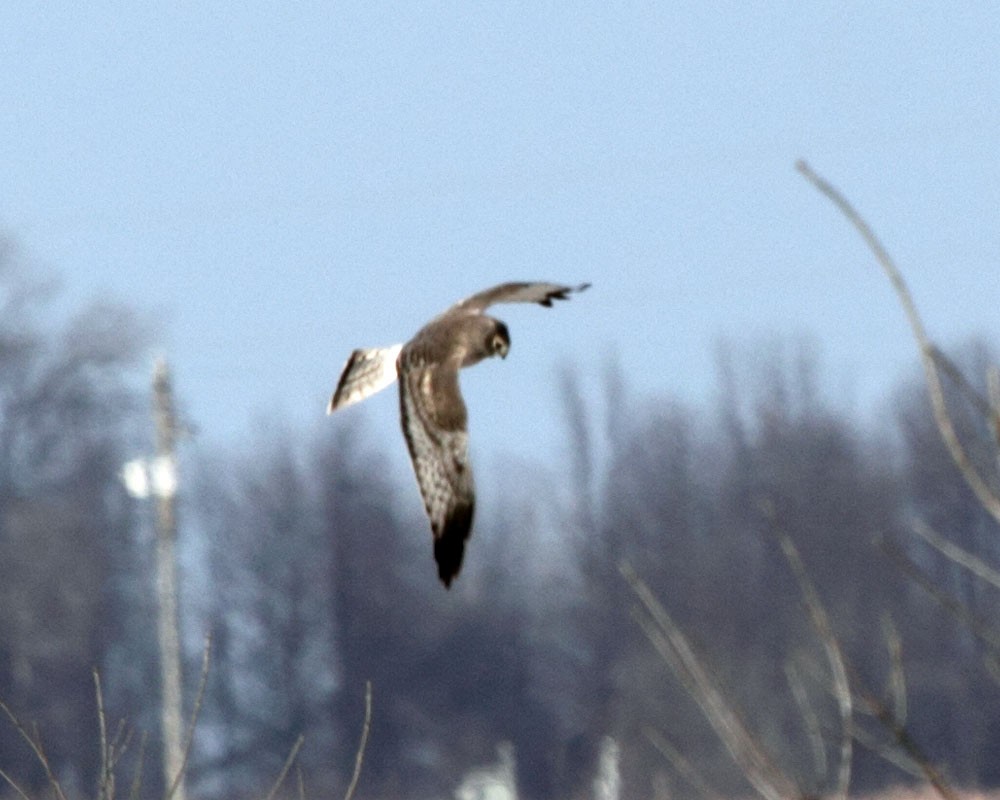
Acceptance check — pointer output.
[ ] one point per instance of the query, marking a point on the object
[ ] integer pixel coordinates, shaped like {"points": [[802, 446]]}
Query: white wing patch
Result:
{"points": [[368, 370]]}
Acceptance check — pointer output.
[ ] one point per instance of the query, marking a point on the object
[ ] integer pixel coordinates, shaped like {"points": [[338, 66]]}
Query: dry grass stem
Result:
{"points": [[360, 754], [984, 494]]}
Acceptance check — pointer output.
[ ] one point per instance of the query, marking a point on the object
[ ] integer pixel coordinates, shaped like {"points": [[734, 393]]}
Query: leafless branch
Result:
{"points": [[983, 631], [300, 784], [993, 393], [35, 743], [137, 778], [897, 676], [901, 749], [814, 731], [973, 479], [284, 769], [959, 555], [113, 748], [901, 735], [684, 767], [888, 752], [206, 657], [13, 785], [360, 755], [957, 377], [831, 647], [664, 634], [105, 784]]}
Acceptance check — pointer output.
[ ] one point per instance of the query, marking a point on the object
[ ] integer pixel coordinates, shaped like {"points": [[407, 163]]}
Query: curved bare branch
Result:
{"points": [[984, 494]]}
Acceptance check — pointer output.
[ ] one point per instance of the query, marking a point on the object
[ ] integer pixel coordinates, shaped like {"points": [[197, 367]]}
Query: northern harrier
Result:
{"points": [[433, 413]]}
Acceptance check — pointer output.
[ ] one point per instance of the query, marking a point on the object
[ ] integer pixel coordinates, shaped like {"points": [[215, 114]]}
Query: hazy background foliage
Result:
{"points": [[314, 576]]}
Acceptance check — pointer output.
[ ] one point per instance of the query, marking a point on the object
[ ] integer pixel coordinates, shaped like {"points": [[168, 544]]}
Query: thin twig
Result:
{"points": [[284, 769], [907, 750], [959, 555], [36, 747], [980, 488], [982, 630], [105, 786], [888, 752], [684, 767], [300, 783], [908, 745], [897, 676], [113, 748], [886, 717], [956, 376], [664, 634], [134, 790], [814, 730], [360, 754], [831, 647], [993, 393], [206, 655], [13, 785]]}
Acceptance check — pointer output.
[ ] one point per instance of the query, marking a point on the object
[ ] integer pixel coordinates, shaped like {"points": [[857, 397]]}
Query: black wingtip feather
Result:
{"points": [[562, 294], [449, 543], [336, 397]]}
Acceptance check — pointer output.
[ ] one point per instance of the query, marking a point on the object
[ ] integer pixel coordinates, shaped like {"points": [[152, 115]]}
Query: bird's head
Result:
{"points": [[498, 342]]}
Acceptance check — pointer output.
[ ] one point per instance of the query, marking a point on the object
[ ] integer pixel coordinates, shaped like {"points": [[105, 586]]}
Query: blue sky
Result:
{"points": [[280, 183]]}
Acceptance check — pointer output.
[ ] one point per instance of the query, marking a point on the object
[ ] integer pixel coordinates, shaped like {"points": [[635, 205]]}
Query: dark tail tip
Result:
{"points": [[449, 543]]}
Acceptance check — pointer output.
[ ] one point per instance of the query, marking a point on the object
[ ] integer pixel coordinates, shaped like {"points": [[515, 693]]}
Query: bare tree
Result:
{"points": [[274, 677], [68, 413]]}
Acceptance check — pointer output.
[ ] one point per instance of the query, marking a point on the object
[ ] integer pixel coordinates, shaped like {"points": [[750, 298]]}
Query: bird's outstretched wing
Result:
{"points": [[367, 371], [435, 426], [518, 292], [433, 414]]}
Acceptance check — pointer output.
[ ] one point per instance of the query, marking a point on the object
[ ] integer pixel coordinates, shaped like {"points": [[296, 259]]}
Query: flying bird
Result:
{"points": [[432, 411]]}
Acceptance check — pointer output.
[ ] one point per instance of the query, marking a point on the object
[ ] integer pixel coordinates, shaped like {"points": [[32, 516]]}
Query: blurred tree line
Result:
{"points": [[74, 591], [318, 576]]}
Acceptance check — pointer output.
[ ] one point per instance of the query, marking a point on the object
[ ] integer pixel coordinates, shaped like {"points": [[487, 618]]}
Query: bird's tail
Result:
{"points": [[367, 371]]}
